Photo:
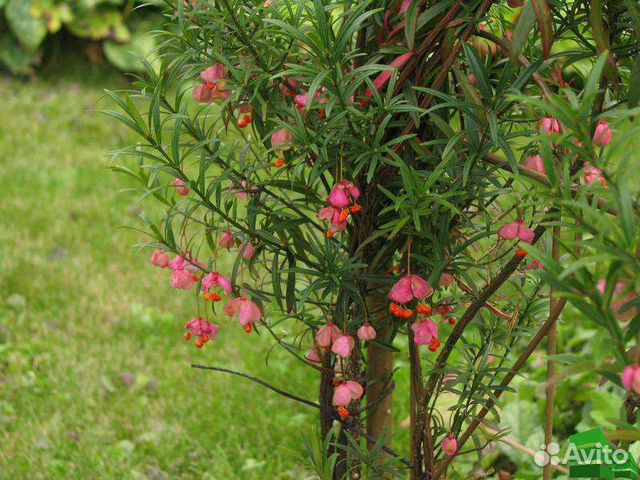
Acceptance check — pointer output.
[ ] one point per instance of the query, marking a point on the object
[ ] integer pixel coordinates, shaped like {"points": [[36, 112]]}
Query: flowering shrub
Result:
{"points": [[380, 176]]}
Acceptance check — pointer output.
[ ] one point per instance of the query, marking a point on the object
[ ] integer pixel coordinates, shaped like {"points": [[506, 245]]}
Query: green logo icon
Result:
{"points": [[591, 455]]}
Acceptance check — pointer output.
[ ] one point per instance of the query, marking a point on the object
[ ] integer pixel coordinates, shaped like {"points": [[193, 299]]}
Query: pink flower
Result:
{"points": [[327, 335], [302, 100], [247, 250], [214, 73], [631, 378], [473, 80], [450, 446], [226, 240], [182, 279], [199, 327], [287, 87], [536, 163], [516, 229], [343, 345], [242, 191], [381, 80], [332, 213], [281, 137], [246, 311], [313, 356], [182, 263], [214, 279], [366, 332], [446, 280], [160, 258], [424, 332], [212, 86], [548, 125], [622, 295], [341, 195], [410, 287], [594, 174], [603, 134], [267, 3], [181, 187], [346, 392]]}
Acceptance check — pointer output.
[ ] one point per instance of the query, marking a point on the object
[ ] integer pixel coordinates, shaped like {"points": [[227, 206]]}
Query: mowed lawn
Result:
{"points": [[95, 378]]}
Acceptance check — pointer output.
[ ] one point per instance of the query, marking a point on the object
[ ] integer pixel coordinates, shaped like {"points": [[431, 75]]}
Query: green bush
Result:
{"points": [[120, 28]]}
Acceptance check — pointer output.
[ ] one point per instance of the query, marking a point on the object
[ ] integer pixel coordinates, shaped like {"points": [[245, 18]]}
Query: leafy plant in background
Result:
{"points": [[111, 24], [438, 181]]}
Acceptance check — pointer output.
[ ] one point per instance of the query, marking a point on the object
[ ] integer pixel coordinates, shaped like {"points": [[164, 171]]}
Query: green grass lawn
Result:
{"points": [[94, 374]]}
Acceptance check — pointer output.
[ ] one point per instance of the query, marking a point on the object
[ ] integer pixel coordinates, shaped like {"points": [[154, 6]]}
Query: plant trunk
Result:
{"points": [[379, 369]]}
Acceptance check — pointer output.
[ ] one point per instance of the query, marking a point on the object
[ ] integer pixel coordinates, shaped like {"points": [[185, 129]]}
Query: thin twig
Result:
{"points": [[288, 395]]}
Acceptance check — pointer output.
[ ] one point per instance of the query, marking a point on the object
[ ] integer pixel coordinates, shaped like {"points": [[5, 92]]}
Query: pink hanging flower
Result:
{"points": [[410, 287], [199, 327], [185, 263], [313, 356], [450, 446], [246, 311], [343, 345], [280, 140], [302, 100], [536, 163], [631, 378], [622, 294], [366, 332], [160, 258], [212, 87], [346, 392], [342, 194], [516, 229], [424, 332], [446, 280], [182, 279], [214, 74], [181, 187], [214, 279], [288, 87], [327, 335], [335, 215], [594, 174], [549, 125], [247, 250], [226, 240], [603, 134], [381, 80], [267, 3], [242, 191]]}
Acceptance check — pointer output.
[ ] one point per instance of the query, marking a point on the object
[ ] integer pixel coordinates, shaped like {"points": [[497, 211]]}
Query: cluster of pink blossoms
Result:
{"points": [[186, 272], [602, 137], [342, 204], [409, 288], [331, 338]]}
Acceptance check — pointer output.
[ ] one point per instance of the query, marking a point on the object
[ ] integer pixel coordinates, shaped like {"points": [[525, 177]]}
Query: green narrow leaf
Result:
{"points": [[545, 23], [523, 28]]}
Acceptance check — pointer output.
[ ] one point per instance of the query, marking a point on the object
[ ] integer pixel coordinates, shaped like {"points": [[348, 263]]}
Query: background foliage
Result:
{"points": [[106, 28]]}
